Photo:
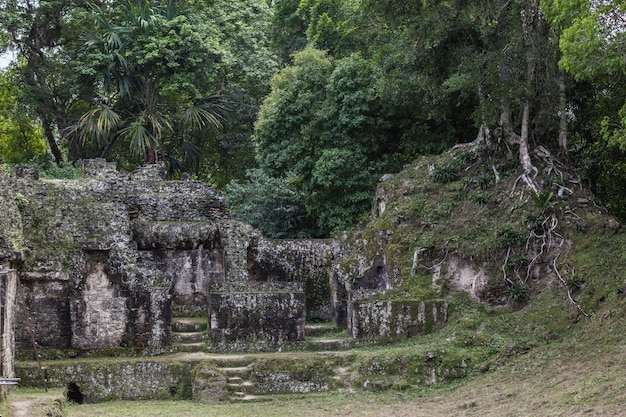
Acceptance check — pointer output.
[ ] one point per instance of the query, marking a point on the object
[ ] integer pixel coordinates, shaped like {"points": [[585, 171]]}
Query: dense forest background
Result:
{"points": [[295, 108]]}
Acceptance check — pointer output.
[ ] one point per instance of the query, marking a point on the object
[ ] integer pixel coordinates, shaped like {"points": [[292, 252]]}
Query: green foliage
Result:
{"points": [[320, 123], [542, 200], [120, 82], [481, 198], [341, 189], [272, 205], [21, 201], [592, 40], [148, 84], [397, 79], [517, 260], [53, 171], [509, 236], [533, 220], [21, 136], [288, 28], [445, 174], [517, 292]]}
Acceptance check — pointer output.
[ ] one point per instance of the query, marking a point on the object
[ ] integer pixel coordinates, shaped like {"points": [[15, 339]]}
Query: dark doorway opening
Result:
{"points": [[73, 393]]}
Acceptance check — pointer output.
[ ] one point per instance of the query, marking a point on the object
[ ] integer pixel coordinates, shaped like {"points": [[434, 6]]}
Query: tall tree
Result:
{"points": [[149, 80], [593, 44], [21, 136], [324, 125], [35, 29]]}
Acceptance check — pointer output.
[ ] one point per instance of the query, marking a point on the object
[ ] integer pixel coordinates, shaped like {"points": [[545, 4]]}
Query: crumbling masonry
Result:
{"points": [[107, 261]]}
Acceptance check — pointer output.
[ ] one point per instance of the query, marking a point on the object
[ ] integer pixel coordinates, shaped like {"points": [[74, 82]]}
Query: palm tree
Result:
{"points": [[134, 101]]}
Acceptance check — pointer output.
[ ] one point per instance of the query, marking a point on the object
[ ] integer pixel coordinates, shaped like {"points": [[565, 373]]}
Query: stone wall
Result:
{"points": [[104, 257], [306, 261], [11, 239], [116, 380], [252, 315], [108, 259], [372, 315]]}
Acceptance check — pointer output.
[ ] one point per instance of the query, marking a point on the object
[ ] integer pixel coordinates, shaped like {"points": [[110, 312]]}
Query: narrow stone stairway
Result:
{"points": [[326, 336], [189, 334], [239, 382]]}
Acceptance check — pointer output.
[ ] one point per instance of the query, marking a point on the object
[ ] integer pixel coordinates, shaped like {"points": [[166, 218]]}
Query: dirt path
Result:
{"points": [[37, 404]]}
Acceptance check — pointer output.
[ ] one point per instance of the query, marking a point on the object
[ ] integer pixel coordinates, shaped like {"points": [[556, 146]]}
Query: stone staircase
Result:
{"points": [[237, 369], [239, 386], [238, 373], [189, 334], [326, 337]]}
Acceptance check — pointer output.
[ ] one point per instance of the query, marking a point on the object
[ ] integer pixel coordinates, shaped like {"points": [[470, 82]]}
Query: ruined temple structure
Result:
{"points": [[125, 260]]}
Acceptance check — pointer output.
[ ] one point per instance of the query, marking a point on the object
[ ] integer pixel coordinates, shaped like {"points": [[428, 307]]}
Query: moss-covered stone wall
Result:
{"points": [[104, 257], [11, 238], [256, 314], [373, 315], [106, 260]]}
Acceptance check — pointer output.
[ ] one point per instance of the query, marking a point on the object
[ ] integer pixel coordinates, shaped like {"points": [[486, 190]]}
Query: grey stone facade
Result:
{"points": [[108, 259], [106, 262]]}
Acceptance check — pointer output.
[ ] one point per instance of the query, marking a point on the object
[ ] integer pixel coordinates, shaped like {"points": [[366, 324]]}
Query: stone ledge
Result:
{"points": [[256, 287], [371, 318]]}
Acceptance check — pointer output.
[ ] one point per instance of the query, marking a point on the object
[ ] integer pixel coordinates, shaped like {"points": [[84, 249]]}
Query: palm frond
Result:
{"points": [[141, 13], [173, 9], [193, 153], [158, 122], [209, 112], [98, 124], [139, 137]]}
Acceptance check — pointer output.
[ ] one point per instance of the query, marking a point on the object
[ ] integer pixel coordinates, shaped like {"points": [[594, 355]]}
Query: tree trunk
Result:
{"points": [[524, 154], [563, 112], [152, 156], [48, 132], [529, 22]]}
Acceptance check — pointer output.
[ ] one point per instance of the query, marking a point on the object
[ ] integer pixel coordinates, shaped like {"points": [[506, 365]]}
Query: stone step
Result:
{"points": [[189, 337], [336, 344], [318, 329], [189, 324], [241, 372], [251, 398], [245, 387], [190, 347]]}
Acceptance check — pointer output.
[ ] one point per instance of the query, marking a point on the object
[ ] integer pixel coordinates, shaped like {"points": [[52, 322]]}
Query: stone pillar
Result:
{"points": [[8, 285], [235, 239]]}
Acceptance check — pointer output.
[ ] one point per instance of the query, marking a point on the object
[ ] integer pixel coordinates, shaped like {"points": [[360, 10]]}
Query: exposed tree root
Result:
{"points": [[569, 291]]}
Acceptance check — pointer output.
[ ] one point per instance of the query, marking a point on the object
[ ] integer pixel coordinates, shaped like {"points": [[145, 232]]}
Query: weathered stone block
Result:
{"points": [[208, 384], [291, 375], [49, 314], [119, 380], [373, 316], [93, 324], [256, 313], [27, 171], [152, 172], [98, 168], [299, 260], [190, 273]]}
